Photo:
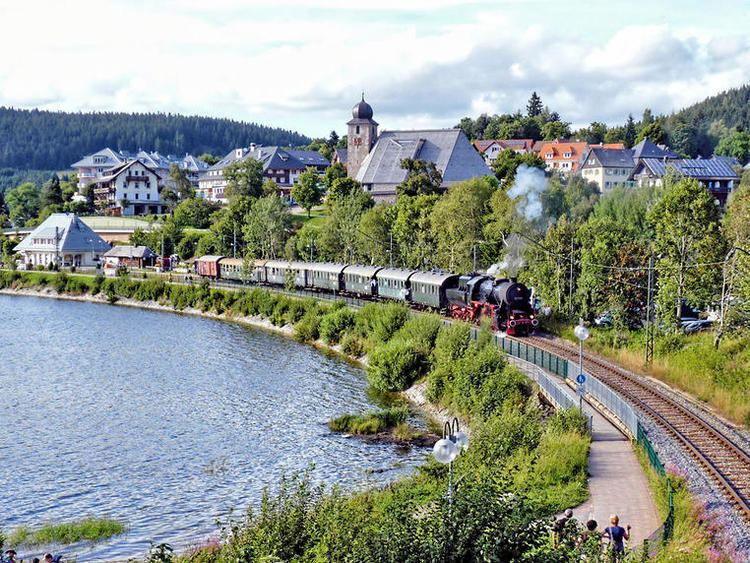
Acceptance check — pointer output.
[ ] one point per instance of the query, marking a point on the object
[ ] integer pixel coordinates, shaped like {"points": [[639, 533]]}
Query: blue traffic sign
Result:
{"points": [[581, 379]]}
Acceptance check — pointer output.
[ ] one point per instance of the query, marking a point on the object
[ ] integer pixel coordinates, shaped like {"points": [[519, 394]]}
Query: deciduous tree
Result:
{"points": [[244, 178], [422, 178], [689, 241], [306, 191]]}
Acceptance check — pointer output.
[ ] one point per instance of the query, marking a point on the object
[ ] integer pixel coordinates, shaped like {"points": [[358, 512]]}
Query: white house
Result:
{"points": [[129, 189], [62, 239]]}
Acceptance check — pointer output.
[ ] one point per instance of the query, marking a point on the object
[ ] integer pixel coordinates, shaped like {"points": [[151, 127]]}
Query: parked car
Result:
{"points": [[696, 326], [604, 320]]}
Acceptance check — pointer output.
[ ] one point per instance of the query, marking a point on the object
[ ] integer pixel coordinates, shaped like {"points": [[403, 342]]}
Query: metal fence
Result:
{"points": [[555, 393], [616, 405]]}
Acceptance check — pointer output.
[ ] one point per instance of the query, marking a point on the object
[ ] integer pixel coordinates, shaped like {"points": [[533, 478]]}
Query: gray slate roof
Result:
{"points": [[647, 149], [343, 155], [151, 159], [275, 158], [73, 235], [449, 149], [111, 158], [612, 158], [718, 167], [130, 252]]}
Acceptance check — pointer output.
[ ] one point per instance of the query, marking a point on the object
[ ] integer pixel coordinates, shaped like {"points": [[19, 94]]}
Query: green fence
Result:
{"points": [[658, 466]]}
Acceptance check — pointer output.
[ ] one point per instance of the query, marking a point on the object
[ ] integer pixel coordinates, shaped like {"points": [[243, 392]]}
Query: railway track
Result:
{"points": [[723, 460]]}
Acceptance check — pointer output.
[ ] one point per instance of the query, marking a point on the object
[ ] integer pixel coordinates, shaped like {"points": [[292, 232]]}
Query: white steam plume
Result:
{"points": [[527, 191], [513, 260]]}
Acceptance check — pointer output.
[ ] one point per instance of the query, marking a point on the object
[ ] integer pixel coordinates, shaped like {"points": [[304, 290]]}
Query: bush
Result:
{"points": [[353, 345], [421, 330], [395, 366], [381, 321], [307, 329], [335, 323]]}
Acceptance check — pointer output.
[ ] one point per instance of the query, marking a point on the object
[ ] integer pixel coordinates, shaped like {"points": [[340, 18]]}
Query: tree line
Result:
{"points": [[584, 253], [33, 139], [718, 124]]}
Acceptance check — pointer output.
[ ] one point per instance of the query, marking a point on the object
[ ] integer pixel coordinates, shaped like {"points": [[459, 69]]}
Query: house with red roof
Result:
{"points": [[562, 155]]}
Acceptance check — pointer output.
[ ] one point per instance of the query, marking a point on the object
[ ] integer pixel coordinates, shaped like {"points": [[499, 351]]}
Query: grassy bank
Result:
{"points": [[64, 533], [370, 422], [721, 378], [520, 469]]}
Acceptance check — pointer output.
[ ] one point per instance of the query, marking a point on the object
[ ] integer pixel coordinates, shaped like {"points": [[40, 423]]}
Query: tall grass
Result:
{"points": [[369, 423], [87, 529], [721, 378]]}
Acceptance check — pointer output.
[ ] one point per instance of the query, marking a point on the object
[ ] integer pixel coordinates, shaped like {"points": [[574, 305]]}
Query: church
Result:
{"points": [[375, 160]]}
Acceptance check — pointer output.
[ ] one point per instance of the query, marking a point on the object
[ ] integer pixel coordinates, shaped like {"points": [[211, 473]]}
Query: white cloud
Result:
{"points": [[302, 64]]}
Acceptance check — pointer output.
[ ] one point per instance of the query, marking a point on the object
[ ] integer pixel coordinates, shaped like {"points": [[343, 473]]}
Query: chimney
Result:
{"points": [[253, 146]]}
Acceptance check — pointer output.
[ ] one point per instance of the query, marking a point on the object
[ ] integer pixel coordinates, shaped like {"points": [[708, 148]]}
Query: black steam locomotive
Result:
{"points": [[469, 297], [505, 301]]}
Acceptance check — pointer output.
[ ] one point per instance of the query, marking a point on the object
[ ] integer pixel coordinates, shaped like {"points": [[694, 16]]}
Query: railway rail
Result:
{"points": [[722, 459]]}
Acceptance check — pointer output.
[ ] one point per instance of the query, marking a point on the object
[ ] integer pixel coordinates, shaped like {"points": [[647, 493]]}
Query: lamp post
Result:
{"points": [[447, 449], [582, 333]]}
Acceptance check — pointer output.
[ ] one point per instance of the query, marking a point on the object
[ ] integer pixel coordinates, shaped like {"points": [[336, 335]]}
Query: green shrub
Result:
{"points": [[307, 329], [421, 330], [395, 366], [61, 282], [353, 345], [369, 423], [335, 323], [381, 321]]}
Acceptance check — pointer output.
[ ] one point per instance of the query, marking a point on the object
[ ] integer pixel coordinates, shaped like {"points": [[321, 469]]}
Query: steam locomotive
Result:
{"points": [[469, 297], [505, 301]]}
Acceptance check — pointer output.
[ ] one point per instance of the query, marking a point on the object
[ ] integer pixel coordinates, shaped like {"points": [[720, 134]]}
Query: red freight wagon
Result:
{"points": [[208, 266]]}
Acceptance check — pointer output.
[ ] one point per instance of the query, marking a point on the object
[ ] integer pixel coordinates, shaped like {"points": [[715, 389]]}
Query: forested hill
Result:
{"points": [[732, 108], [36, 139]]}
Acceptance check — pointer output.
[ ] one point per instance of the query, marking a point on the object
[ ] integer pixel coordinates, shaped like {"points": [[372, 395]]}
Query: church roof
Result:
{"points": [[449, 149], [63, 232]]}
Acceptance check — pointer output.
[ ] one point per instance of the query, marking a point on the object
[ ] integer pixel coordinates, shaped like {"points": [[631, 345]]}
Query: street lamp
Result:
{"points": [[582, 333], [447, 449]]}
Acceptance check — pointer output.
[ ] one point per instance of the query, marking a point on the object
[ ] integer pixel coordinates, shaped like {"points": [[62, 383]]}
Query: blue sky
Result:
{"points": [[422, 63]]}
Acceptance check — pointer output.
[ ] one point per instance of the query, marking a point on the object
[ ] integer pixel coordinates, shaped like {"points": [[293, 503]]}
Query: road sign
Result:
{"points": [[581, 379], [580, 390]]}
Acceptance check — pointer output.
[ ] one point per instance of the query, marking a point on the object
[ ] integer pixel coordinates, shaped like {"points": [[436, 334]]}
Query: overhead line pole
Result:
{"points": [[649, 314]]}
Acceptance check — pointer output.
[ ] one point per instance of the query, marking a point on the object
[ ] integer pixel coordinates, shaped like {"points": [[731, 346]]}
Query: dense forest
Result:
{"points": [[696, 130], [45, 140]]}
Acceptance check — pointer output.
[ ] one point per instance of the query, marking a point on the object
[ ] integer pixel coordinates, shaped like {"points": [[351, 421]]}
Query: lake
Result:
{"points": [[166, 422]]}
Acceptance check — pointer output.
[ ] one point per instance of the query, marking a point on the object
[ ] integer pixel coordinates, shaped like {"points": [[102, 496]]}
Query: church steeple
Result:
{"points": [[361, 136]]}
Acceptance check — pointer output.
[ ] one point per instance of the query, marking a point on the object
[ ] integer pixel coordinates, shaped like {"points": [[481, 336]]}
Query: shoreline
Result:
{"points": [[415, 395]]}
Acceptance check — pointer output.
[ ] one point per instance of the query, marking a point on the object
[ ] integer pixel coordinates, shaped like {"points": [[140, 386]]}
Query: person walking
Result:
{"points": [[590, 542], [617, 536], [558, 529]]}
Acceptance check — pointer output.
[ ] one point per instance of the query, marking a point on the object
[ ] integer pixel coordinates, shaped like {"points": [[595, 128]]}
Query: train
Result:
{"points": [[470, 297]]}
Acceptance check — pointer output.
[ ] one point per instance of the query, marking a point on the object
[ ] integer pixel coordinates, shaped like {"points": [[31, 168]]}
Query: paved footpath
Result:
{"points": [[617, 482]]}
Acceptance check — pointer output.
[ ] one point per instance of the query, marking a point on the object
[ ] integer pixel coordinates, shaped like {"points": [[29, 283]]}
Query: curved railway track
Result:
{"points": [[723, 460]]}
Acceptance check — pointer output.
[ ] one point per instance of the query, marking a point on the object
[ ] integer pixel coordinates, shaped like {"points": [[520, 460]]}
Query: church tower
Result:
{"points": [[361, 136]]}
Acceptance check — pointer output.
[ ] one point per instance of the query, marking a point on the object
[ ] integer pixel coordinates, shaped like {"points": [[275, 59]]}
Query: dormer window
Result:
{"points": [[567, 154], [549, 155]]}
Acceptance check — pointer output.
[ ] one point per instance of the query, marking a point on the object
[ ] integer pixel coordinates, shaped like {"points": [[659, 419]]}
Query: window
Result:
{"points": [[567, 155], [357, 130], [136, 196], [148, 196], [549, 155]]}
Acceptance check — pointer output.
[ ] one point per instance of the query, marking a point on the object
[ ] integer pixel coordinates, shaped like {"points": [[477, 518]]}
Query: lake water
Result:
{"points": [[166, 422]]}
